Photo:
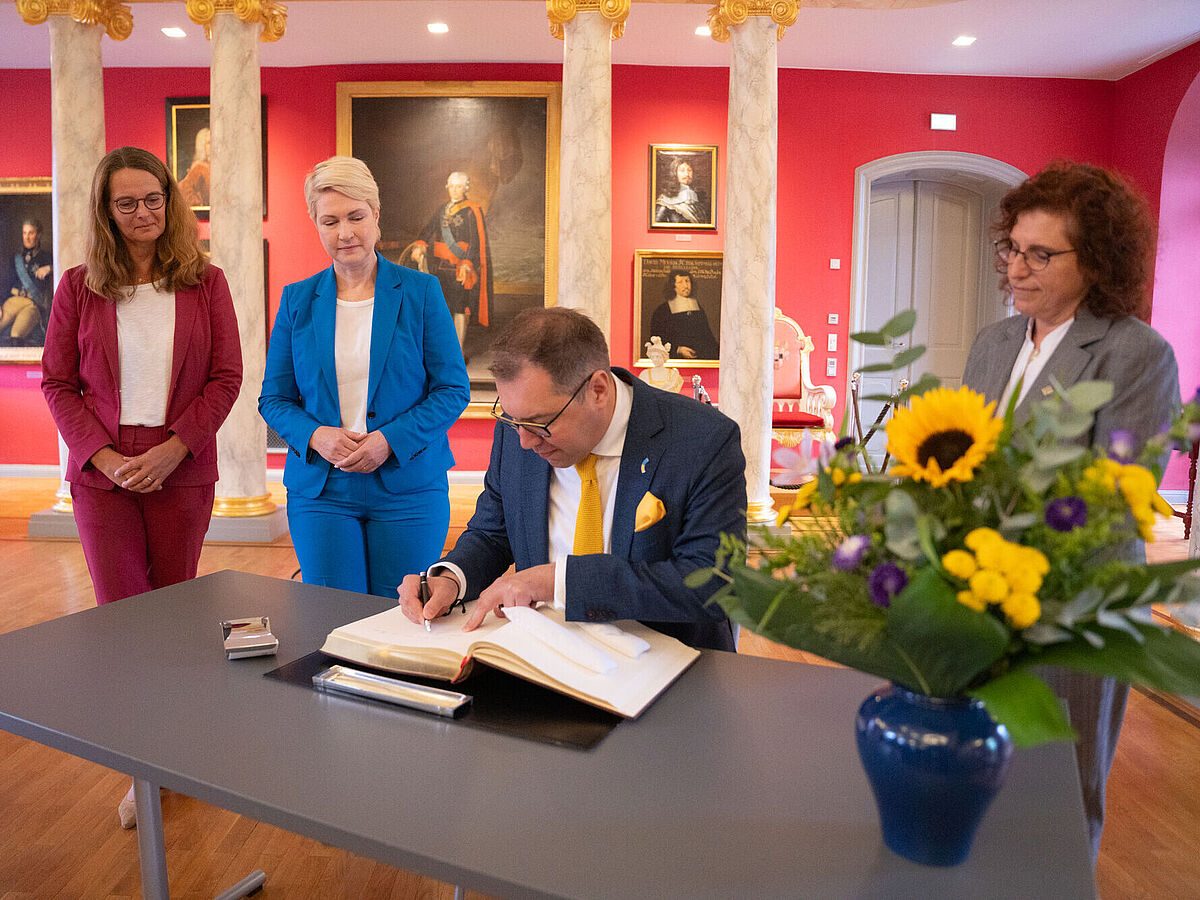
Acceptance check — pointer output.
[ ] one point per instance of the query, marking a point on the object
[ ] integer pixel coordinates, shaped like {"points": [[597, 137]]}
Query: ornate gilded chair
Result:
{"points": [[800, 408]]}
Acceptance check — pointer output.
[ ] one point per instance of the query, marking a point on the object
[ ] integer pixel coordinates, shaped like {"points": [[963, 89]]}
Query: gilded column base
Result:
{"points": [[62, 499], [242, 507], [760, 512]]}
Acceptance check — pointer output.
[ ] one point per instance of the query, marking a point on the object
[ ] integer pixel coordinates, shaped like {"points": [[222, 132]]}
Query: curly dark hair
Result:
{"points": [[669, 285], [1108, 223]]}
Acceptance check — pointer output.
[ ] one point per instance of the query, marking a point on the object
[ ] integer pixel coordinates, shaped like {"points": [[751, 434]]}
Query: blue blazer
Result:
{"points": [[688, 455], [417, 383]]}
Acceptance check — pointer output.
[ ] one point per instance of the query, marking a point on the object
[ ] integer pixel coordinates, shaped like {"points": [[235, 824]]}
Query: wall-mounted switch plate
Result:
{"points": [[831, 343], [830, 368]]}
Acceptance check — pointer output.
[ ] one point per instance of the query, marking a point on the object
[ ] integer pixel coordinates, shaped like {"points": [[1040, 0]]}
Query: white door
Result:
{"points": [[924, 252]]}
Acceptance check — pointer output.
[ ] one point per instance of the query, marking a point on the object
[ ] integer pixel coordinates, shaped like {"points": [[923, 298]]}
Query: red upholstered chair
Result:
{"points": [[800, 408]]}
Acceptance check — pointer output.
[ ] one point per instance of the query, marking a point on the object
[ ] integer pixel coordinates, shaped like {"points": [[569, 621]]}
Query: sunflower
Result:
{"points": [[943, 436]]}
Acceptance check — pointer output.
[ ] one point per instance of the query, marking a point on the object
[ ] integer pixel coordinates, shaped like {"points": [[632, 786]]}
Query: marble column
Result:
{"points": [[748, 279], [585, 163], [243, 509], [77, 137]]}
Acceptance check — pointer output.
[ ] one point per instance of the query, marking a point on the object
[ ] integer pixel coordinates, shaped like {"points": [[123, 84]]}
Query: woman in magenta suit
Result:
{"points": [[141, 366]]}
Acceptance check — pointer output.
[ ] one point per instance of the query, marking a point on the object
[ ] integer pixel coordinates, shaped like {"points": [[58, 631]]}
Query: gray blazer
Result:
{"points": [[1126, 351]]}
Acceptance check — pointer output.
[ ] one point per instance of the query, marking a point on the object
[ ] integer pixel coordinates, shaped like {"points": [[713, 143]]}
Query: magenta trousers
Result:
{"points": [[134, 542]]}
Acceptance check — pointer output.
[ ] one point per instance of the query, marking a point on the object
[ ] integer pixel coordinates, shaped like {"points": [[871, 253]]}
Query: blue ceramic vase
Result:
{"points": [[934, 766]]}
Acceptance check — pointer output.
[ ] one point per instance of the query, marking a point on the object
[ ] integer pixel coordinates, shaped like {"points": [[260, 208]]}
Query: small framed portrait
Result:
{"points": [[26, 268], [189, 151], [683, 187], [677, 298]]}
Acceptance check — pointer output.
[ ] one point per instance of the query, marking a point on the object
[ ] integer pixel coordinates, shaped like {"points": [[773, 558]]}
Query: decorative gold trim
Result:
{"points": [[760, 512], [560, 12], [735, 12], [242, 507], [116, 17], [271, 13], [63, 501]]}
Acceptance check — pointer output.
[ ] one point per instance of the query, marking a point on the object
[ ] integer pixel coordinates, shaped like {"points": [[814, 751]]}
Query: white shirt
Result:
{"points": [[146, 348], [352, 359], [565, 485], [1030, 362], [679, 304]]}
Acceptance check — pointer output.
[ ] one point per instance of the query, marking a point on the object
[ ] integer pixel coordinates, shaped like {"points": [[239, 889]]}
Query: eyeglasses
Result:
{"points": [[129, 205], [537, 429], [1037, 258]]}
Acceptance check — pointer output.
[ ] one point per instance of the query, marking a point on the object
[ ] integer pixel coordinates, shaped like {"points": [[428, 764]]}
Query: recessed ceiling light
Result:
{"points": [[963, 40], [174, 32], [438, 27], [704, 31]]}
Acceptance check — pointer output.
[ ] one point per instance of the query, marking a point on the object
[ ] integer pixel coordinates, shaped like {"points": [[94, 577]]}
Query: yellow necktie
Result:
{"points": [[589, 521]]}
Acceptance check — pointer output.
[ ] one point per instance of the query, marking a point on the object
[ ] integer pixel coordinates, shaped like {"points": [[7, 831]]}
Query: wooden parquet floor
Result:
{"points": [[59, 836]]}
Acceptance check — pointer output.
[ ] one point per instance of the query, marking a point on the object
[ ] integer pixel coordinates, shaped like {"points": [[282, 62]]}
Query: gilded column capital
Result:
{"points": [[113, 15], [560, 12], [734, 12], [271, 13]]}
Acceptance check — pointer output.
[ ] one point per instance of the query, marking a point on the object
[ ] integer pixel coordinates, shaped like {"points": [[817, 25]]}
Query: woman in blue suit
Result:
{"points": [[364, 377]]}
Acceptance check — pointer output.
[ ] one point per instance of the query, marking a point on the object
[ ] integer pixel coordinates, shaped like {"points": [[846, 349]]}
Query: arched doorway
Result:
{"points": [[921, 241]]}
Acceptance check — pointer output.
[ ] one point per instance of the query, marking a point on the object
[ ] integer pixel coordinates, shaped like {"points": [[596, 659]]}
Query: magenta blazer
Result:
{"points": [[81, 374]]}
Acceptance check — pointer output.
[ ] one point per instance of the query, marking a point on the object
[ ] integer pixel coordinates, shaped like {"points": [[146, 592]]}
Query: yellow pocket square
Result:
{"points": [[649, 511]]}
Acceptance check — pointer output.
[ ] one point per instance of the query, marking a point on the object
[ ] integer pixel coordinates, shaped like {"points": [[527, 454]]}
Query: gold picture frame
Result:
{"points": [[654, 286], [25, 299], [189, 145], [679, 202], [504, 135]]}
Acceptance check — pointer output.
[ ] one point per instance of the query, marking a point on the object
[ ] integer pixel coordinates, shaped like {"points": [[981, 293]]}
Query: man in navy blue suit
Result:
{"points": [[670, 475]]}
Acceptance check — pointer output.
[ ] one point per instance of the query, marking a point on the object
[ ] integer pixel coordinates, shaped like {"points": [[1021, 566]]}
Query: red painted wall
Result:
{"points": [[829, 124]]}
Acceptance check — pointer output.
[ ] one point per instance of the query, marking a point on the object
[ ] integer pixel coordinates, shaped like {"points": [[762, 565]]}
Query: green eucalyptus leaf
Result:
{"points": [[882, 366], [870, 338], [699, 577], [1057, 455], [1026, 707], [1088, 396], [900, 525], [925, 383], [909, 356], [900, 324], [1046, 633], [1118, 621]]}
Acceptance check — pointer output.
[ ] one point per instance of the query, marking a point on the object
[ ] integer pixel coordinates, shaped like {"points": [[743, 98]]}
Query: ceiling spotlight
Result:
{"points": [[174, 32], [438, 27], [963, 40], [704, 31]]}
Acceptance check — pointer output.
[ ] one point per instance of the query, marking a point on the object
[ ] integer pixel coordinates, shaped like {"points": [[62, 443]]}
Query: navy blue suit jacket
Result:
{"points": [[417, 381], [688, 455]]}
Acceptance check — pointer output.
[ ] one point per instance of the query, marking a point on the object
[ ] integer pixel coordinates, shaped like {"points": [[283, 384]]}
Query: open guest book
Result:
{"points": [[619, 668]]}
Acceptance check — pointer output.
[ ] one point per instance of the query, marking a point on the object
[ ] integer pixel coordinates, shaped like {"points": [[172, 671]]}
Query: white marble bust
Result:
{"points": [[659, 375]]}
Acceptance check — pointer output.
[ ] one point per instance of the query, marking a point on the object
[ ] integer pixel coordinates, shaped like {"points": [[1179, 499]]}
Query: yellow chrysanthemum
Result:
{"points": [[966, 598], [1021, 610], [960, 564], [988, 586], [804, 495], [943, 436]]}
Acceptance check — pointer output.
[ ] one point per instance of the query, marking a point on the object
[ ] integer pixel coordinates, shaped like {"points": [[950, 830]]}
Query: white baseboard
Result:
{"points": [[457, 476]]}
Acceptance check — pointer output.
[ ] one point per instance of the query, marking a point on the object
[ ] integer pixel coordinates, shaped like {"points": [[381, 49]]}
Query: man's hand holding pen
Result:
{"points": [[443, 591]]}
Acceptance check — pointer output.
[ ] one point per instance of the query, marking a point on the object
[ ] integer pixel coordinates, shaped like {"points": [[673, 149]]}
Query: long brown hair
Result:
{"points": [[178, 260]]}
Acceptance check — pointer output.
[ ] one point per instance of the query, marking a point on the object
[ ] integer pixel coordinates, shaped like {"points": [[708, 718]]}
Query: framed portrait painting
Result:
{"points": [[683, 187], [677, 298], [189, 150], [26, 268], [468, 184]]}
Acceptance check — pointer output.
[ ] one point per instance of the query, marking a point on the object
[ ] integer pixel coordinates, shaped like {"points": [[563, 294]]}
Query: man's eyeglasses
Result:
{"points": [[129, 205], [537, 429], [1037, 258]]}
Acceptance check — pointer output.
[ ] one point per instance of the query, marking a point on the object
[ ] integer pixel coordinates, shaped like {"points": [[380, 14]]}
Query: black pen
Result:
{"points": [[424, 594]]}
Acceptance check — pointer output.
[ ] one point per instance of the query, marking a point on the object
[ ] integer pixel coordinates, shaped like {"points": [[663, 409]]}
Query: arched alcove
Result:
{"points": [[1176, 308]]}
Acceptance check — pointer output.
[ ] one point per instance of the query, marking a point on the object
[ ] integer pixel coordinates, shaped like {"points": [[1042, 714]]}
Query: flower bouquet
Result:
{"points": [[985, 550]]}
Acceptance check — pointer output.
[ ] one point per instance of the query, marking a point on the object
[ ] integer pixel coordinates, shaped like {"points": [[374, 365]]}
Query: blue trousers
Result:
{"points": [[358, 536]]}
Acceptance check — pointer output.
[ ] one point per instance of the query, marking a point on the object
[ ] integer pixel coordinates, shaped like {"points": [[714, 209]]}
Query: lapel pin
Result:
{"points": [[1047, 391], [644, 461]]}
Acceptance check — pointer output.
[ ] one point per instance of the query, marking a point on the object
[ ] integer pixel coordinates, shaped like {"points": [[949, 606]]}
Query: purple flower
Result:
{"points": [[885, 582], [1196, 396], [850, 552], [1122, 446], [1066, 513], [842, 443]]}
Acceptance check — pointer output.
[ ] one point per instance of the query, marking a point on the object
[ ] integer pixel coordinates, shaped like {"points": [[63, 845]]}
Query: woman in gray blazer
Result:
{"points": [[1075, 249]]}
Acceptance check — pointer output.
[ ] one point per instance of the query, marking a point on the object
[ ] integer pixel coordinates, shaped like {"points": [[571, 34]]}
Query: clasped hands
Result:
{"points": [[350, 451], [528, 587], [144, 473]]}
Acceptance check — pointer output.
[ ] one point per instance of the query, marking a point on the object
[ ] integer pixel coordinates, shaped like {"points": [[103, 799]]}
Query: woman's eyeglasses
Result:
{"points": [[1037, 258], [129, 205]]}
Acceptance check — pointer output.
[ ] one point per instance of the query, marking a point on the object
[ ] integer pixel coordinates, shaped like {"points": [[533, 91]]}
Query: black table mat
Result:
{"points": [[501, 702]]}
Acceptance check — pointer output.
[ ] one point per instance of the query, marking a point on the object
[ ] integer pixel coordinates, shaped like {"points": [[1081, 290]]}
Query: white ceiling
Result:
{"points": [[1102, 39]]}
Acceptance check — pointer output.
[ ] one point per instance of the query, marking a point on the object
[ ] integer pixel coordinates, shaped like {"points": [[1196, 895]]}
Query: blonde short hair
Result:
{"points": [[343, 174]]}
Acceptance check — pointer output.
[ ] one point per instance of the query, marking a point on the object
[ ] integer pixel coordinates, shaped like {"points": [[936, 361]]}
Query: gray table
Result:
{"points": [[742, 780]]}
